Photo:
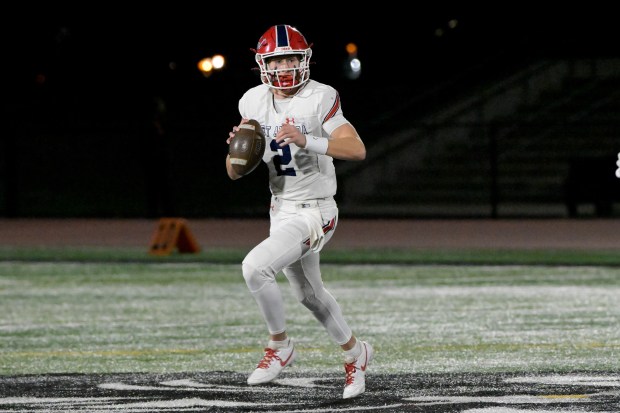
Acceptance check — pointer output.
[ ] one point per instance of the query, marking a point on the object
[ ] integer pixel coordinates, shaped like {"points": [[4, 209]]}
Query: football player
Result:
{"points": [[305, 129]]}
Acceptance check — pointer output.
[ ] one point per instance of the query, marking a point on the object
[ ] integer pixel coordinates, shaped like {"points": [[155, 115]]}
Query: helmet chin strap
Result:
{"points": [[289, 92]]}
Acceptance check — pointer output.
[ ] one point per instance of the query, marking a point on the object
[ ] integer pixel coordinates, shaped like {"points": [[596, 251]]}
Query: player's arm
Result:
{"points": [[344, 142]]}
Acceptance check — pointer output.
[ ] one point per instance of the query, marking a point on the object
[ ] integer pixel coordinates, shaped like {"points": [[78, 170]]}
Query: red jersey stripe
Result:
{"points": [[334, 109]]}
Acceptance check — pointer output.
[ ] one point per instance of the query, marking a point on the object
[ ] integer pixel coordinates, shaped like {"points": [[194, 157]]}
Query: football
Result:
{"points": [[247, 147]]}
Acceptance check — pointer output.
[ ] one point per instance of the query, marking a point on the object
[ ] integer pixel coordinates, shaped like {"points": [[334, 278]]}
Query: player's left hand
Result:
{"points": [[290, 134]]}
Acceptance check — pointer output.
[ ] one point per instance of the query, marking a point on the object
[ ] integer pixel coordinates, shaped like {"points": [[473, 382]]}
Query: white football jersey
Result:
{"points": [[294, 172]]}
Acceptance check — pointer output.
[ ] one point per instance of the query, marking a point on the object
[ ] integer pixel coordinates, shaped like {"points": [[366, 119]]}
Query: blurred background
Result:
{"points": [[501, 111]]}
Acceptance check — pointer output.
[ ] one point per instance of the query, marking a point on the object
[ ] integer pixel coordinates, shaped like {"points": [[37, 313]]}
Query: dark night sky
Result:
{"points": [[105, 55], [116, 39]]}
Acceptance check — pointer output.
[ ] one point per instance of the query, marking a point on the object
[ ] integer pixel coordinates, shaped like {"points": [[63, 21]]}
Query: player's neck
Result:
{"points": [[284, 94]]}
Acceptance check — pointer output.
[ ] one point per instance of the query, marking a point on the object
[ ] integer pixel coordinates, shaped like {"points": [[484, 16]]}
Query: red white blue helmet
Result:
{"points": [[283, 40]]}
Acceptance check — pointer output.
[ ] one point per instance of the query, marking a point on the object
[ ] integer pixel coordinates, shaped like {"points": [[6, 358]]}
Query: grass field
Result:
{"points": [[104, 311]]}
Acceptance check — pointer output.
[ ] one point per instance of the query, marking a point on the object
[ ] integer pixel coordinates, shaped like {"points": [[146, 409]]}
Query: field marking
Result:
{"points": [[510, 399], [566, 396], [576, 380]]}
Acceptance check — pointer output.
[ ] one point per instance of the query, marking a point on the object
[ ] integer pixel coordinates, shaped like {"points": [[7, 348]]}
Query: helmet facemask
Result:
{"points": [[284, 75]]}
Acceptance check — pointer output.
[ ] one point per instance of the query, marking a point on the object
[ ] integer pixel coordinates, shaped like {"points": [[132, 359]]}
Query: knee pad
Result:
{"points": [[310, 302], [256, 278]]}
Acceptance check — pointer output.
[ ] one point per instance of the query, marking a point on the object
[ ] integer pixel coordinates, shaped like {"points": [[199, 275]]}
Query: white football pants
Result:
{"points": [[298, 231]]}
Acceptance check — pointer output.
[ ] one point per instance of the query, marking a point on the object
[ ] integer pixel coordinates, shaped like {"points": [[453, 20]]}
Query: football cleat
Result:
{"points": [[355, 382], [272, 364]]}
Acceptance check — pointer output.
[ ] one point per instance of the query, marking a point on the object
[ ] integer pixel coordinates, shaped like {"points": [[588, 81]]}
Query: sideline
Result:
{"points": [[574, 234]]}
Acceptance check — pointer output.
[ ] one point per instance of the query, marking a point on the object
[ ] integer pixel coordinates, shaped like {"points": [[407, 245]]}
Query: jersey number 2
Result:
{"points": [[280, 161]]}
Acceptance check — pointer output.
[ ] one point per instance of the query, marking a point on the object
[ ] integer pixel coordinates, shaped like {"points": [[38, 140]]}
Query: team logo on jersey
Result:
{"points": [[291, 121]]}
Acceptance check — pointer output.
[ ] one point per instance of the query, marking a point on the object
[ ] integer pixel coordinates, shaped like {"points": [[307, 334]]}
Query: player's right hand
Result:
{"points": [[234, 130], [618, 164]]}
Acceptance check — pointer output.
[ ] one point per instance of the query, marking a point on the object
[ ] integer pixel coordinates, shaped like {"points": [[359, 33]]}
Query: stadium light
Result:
{"points": [[353, 66], [209, 64]]}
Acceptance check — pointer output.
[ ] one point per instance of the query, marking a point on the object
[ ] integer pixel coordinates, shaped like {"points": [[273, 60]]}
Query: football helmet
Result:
{"points": [[283, 40]]}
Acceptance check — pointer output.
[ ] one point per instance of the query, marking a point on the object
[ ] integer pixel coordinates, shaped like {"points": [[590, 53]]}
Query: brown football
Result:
{"points": [[247, 147]]}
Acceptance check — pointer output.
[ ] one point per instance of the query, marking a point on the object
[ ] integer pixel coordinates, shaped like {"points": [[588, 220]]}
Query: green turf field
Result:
{"points": [[103, 311]]}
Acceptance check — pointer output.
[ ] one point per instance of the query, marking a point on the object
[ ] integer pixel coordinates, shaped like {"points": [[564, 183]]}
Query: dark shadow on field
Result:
{"points": [[222, 391]]}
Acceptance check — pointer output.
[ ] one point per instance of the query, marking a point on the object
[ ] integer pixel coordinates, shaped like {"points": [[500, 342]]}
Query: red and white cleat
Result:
{"points": [[272, 364], [355, 383]]}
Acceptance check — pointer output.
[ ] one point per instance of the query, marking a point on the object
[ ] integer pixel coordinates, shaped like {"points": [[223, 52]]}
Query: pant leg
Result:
{"points": [[260, 267], [305, 279], [304, 276]]}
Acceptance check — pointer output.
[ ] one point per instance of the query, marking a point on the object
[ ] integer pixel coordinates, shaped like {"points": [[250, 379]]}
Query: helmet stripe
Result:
{"points": [[281, 36]]}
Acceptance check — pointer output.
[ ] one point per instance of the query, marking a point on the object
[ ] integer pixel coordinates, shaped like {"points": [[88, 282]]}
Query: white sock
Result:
{"points": [[351, 355], [279, 344]]}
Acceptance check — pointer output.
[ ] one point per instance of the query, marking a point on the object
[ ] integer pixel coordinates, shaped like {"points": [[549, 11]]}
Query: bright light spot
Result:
{"points": [[209, 64], [453, 23], [351, 48], [355, 65], [354, 68], [218, 61], [205, 65]]}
